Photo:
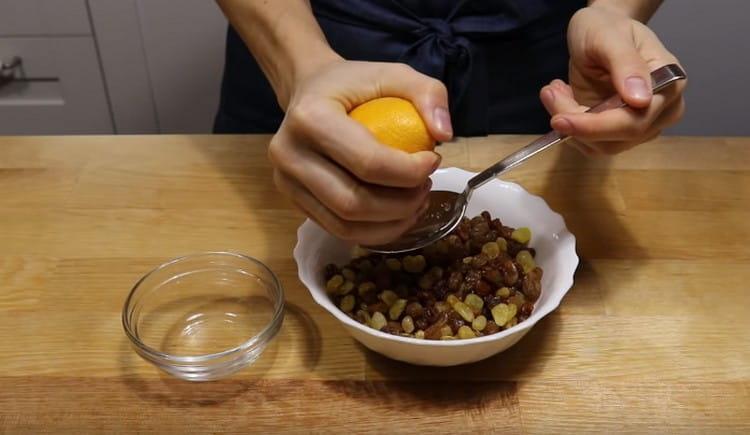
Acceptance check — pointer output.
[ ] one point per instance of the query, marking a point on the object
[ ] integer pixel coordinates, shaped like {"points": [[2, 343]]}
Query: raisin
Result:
{"points": [[492, 275], [482, 288], [454, 280], [491, 328], [330, 271], [433, 331], [532, 284], [421, 323], [415, 310], [393, 327], [510, 272]]}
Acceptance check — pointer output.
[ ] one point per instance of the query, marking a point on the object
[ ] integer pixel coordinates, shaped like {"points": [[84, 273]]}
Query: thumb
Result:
{"points": [[431, 100], [630, 73]]}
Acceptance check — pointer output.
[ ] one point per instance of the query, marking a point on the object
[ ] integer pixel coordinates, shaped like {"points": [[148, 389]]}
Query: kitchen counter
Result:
{"points": [[653, 337]]}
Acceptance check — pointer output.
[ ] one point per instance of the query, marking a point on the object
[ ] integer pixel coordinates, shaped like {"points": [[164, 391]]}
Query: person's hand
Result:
{"points": [[610, 52], [333, 168]]}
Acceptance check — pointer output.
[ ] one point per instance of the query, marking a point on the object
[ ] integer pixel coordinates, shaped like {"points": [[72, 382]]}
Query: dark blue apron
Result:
{"points": [[493, 56]]}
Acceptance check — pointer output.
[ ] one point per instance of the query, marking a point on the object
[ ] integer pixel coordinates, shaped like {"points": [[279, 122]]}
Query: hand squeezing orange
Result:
{"points": [[395, 122]]}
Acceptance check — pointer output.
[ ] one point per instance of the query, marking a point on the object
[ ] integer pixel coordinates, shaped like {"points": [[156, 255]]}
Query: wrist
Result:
{"points": [[301, 65]]}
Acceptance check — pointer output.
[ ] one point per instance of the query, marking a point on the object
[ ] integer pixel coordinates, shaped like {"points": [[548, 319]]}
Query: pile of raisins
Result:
{"points": [[478, 280]]}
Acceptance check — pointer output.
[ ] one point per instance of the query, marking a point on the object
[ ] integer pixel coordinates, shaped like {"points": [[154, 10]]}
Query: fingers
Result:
{"points": [[557, 97], [327, 127], [342, 193], [611, 125], [667, 118], [360, 232], [614, 130]]}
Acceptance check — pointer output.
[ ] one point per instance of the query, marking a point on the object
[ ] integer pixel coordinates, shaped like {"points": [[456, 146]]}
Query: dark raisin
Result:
{"points": [[415, 310], [491, 301], [482, 288], [486, 215], [491, 328], [454, 280], [393, 328], [440, 289], [492, 275], [455, 321], [433, 331], [421, 324], [532, 284], [479, 261], [526, 309], [510, 272]]}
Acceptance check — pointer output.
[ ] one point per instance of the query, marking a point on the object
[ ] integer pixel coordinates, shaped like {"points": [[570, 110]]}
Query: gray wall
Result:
{"points": [[711, 40]]}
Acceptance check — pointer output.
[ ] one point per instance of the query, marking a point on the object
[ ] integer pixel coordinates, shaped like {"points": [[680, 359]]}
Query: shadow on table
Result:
{"points": [[467, 387], [173, 392], [584, 191]]}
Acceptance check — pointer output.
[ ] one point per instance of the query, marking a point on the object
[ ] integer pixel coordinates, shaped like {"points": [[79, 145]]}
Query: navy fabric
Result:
{"points": [[493, 56]]}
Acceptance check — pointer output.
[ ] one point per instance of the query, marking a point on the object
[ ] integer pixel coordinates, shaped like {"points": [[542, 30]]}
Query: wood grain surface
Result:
{"points": [[653, 338]]}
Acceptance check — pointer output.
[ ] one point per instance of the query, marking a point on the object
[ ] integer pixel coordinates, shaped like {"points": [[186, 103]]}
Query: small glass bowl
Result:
{"points": [[204, 316]]}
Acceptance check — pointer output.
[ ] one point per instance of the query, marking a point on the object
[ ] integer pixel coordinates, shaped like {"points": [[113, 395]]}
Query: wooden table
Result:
{"points": [[654, 337]]}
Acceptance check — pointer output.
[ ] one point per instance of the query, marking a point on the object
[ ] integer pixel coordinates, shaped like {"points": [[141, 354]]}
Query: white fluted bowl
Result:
{"points": [[515, 207]]}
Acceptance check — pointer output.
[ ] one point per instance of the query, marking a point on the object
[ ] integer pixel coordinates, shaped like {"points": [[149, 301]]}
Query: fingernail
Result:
{"points": [[443, 120], [563, 125], [438, 159], [637, 88], [549, 95]]}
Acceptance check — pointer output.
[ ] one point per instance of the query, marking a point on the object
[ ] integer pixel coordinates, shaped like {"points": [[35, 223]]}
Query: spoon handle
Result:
{"points": [[661, 78]]}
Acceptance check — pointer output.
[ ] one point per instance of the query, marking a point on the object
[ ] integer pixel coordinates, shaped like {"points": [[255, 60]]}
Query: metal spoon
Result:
{"points": [[447, 208]]}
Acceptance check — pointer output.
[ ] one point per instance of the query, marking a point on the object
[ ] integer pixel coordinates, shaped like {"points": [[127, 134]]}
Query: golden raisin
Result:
{"points": [[366, 287], [526, 261], [503, 292], [334, 283], [501, 313], [393, 264], [465, 332], [451, 299], [397, 309], [407, 324], [378, 321], [479, 323], [521, 235], [347, 303], [464, 310], [388, 296], [414, 263], [346, 288], [491, 250], [474, 302], [502, 244]]}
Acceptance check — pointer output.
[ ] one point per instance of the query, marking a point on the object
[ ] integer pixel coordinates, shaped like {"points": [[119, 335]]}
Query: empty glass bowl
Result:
{"points": [[205, 316]]}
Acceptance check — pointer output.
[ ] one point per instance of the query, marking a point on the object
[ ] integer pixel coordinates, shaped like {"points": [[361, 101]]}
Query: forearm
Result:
{"points": [[641, 10], [284, 38]]}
